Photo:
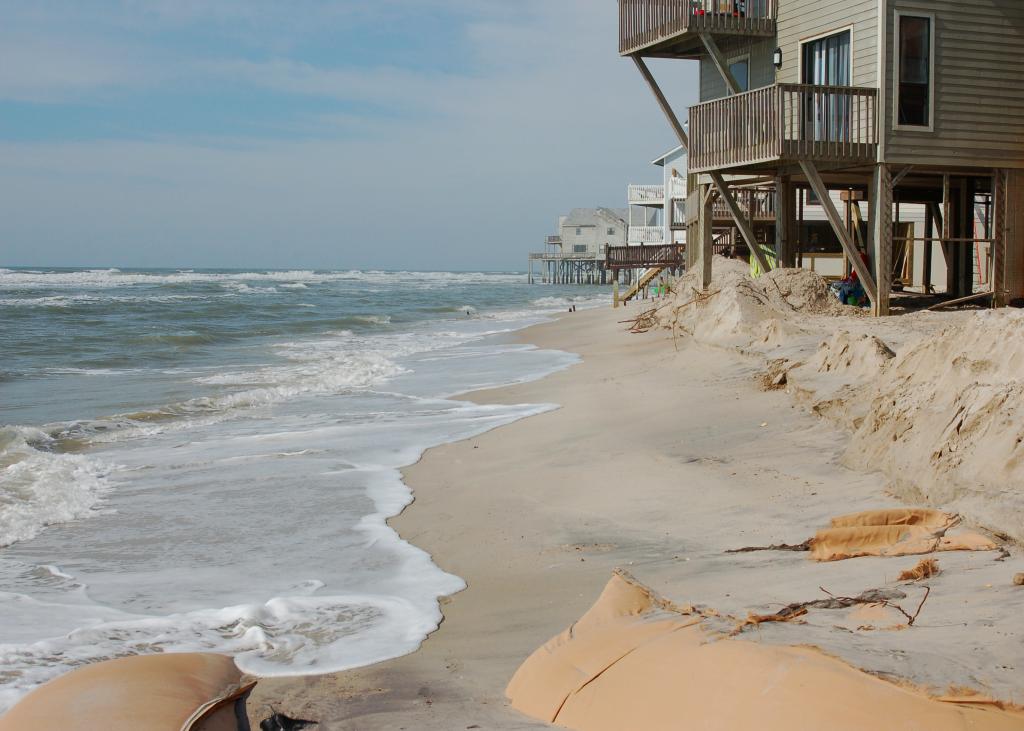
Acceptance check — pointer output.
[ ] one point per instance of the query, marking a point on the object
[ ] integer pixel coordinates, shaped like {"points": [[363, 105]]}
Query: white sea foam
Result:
{"points": [[40, 488], [106, 278], [78, 300], [280, 637], [581, 302], [252, 519]]}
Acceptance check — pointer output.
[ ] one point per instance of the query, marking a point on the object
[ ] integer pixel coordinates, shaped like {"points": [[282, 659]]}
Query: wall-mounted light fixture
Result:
{"points": [[777, 58]]}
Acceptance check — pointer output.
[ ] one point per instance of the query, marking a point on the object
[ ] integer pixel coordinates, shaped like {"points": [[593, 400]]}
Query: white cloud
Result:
{"points": [[471, 171]]}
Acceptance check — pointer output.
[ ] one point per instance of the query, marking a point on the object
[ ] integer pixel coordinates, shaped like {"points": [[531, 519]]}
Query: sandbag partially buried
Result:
{"points": [[169, 692]]}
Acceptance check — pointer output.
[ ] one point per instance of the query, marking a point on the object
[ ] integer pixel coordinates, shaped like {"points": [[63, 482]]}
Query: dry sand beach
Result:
{"points": [[748, 419]]}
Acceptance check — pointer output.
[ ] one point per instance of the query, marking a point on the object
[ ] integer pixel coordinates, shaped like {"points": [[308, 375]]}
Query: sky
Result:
{"points": [[328, 134]]}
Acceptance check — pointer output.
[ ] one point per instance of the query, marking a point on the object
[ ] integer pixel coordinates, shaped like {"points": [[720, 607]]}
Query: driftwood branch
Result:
{"points": [[882, 597], [805, 546]]}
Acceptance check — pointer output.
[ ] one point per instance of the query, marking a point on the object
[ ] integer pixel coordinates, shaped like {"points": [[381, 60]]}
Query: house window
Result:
{"points": [[579, 248], [579, 232], [914, 71], [827, 61], [611, 232], [740, 71]]}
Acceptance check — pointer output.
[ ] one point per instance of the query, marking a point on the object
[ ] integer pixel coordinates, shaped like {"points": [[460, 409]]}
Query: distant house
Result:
{"points": [[576, 254], [590, 230], [657, 213]]}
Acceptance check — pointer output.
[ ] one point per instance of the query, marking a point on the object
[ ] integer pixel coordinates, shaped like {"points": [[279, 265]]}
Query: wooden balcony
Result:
{"points": [[785, 123], [670, 28], [646, 195], [644, 257], [553, 241]]}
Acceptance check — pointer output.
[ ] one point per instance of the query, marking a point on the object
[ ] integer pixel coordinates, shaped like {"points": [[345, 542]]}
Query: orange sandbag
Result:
{"points": [[171, 692], [897, 516], [836, 544], [633, 663]]}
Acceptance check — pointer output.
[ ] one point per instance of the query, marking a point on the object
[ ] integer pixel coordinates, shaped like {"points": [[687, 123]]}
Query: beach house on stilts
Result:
{"points": [[657, 226], [879, 103], [577, 253]]}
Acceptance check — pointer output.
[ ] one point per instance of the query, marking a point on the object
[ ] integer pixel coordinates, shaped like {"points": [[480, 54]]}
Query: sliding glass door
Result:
{"points": [[826, 62]]}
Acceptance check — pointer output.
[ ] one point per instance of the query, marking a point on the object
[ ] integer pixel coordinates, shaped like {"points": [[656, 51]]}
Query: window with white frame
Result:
{"points": [[915, 56]]}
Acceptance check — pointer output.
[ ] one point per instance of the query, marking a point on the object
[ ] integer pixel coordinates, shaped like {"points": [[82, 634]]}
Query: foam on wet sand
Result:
{"points": [[665, 454]]}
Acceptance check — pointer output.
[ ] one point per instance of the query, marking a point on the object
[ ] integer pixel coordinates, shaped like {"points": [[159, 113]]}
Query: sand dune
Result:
{"points": [[935, 401]]}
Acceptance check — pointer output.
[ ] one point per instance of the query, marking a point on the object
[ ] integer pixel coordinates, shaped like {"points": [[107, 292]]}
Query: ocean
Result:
{"points": [[205, 460]]}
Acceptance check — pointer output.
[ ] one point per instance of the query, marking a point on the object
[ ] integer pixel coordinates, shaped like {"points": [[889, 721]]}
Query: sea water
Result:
{"points": [[205, 460]]}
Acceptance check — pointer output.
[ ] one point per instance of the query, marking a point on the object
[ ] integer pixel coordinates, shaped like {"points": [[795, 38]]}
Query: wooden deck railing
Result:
{"points": [[785, 122], [644, 23], [566, 256], [757, 204], [642, 257]]}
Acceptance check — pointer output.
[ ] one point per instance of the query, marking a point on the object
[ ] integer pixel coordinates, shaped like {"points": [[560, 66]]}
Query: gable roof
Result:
{"points": [[674, 152], [582, 217]]}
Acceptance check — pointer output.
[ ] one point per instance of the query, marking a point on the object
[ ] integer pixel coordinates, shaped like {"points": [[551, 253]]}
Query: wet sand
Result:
{"points": [[662, 456]]}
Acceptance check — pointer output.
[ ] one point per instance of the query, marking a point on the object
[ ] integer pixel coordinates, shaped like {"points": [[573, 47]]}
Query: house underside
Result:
{"points": [[756, 156]]}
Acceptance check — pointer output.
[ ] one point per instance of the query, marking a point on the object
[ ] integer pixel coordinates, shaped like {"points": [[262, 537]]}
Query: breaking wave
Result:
{"points": [[40, 487]]}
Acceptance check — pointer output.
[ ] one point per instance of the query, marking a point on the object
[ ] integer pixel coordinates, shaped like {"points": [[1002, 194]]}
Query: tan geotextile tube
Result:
{"points": [[899, 532], [632, 662], [170, 692], [897, 516]]}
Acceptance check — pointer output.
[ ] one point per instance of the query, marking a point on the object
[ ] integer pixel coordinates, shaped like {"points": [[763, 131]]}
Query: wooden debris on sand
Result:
{"points": [[925, 569], [874, 597], [643, 322]]}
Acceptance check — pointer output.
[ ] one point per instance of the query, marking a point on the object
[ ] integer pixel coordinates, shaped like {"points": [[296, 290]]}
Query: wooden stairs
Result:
{"points": [[645, 279]]}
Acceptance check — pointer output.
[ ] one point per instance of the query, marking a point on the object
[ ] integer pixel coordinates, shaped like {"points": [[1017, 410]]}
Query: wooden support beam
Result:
{"points": [[666, 108], [858, 221], [960, 300], [998, 221], [707, 222], [716, 177], [946, 222], [929, 247], [880, 199], [940, 225], [800, 228], [731, 85], [902, 174], [741, 221], [829, 206], [785, 221]]}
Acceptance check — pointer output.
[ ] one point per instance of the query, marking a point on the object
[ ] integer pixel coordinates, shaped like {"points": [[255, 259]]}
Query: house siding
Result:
{"points": [[800, 20], [762, 72], [979, 95]]}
